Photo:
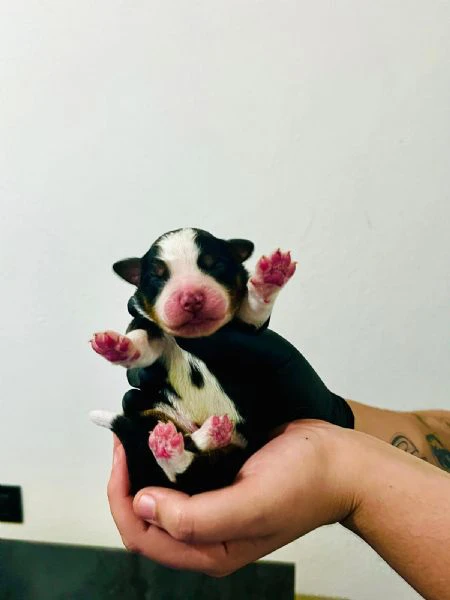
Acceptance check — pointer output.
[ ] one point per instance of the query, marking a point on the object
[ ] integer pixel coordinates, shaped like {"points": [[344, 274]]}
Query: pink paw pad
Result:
{"points": [[220, 430], [114, 347], [273, 272], [165, 441]]}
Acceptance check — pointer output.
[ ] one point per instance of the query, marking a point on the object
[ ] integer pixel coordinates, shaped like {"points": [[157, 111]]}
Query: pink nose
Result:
{"points": [[192, 301]]}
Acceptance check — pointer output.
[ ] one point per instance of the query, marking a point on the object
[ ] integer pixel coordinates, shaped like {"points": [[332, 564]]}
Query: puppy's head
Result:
{"points": [[190, 283]]}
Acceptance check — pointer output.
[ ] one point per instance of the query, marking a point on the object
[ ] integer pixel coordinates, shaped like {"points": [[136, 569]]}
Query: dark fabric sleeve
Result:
{"points": [[269, 380]]}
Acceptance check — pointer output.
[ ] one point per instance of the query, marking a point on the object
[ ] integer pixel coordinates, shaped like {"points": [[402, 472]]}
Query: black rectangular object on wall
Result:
{"points": [[11, 504]]}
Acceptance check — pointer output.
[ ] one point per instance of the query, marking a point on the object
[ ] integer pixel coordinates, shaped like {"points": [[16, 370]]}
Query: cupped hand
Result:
{"points": [[302, 479]]}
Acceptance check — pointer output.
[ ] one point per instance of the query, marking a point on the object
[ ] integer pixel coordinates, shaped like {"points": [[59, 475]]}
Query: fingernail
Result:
{"points": [[146, 507]]}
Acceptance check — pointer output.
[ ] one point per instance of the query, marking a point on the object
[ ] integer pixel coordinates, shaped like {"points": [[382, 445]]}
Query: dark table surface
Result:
{"points": [[41, 571]]}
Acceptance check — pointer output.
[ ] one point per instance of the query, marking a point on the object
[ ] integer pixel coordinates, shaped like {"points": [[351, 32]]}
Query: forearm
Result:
{"points": [[403, 512], [425, 434]]}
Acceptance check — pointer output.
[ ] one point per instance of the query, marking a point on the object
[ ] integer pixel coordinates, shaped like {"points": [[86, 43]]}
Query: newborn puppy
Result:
{"points": [[182, 429]]}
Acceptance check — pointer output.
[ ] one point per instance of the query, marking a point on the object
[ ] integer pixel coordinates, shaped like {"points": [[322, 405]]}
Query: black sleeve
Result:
{"points": [[269, 380]]}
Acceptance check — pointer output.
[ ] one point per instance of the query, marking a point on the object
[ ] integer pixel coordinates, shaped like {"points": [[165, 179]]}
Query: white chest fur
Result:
{"points": [[194, 404]]}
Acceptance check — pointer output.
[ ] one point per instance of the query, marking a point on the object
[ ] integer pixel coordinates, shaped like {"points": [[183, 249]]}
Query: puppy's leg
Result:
{"points": [[217, 432], [271, 275], [167, 446], [137, 349]]}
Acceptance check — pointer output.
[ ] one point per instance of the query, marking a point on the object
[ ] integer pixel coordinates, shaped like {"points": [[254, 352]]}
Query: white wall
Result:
{"points": [[319, 126]]}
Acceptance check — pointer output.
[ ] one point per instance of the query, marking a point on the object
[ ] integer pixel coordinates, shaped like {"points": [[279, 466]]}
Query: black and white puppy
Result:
{"points": [[183, 429]]}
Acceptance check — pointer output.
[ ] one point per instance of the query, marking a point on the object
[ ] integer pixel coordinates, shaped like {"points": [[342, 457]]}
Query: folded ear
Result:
{"points": [[129, 269], [242, 249]]}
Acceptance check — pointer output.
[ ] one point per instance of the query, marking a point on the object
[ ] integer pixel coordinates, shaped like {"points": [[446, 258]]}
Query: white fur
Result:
{"points": [[179, 250], [104, 418], [195, 405], [254, 309], [175, 464], [202, 438], [149, 352], [180, 253]]}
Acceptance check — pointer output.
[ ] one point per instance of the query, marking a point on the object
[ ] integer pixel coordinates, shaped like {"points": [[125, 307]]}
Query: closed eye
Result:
{"points": [[211, 263], [159, 268], [208, 261]]}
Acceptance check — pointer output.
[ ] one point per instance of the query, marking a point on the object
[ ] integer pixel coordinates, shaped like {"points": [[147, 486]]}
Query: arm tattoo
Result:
{"points": [[403, 443], [440, 453]]}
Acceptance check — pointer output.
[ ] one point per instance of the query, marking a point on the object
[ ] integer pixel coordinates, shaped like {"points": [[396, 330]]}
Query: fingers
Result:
{"points": [[209, 517], [131, 527], [159, 546], [138, 536], [216, 560], [197, 526]]}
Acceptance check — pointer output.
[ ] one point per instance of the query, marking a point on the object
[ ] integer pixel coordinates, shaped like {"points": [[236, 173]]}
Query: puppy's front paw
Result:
{"points": [[115, 347], [272, 273]]}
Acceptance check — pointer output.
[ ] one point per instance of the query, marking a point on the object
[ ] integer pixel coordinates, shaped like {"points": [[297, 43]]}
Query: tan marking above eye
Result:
{"points": [[159, 268], [149, 309], [208, 260]]}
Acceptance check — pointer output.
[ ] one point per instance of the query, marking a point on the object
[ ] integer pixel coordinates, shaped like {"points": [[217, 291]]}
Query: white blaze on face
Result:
{"points": [[191, 302], [179, 251]]}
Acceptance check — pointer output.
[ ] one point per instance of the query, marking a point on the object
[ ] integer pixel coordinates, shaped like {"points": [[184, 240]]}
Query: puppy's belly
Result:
{"points": [[195, 394]]}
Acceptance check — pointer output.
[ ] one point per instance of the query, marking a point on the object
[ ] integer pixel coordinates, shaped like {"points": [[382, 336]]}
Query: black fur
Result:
{"points": [[221, 259], [268, 380], [227, 257], [196, 377], [209, 470], [153, 275]]}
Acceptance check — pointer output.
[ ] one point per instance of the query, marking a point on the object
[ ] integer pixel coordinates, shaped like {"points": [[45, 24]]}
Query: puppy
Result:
{"points": [[181, 428]]}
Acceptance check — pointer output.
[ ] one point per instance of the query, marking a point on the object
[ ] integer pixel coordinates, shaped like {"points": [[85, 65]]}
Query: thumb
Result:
{"points": [[205, 518], [169, 509]]}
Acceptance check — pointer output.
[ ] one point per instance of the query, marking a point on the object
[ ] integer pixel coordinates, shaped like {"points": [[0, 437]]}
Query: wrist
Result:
{"points": [[350, 471], [364, 466], [340, 481]]}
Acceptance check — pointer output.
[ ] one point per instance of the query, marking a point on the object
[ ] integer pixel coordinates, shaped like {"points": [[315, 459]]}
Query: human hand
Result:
{"points": [[300, 480]]}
